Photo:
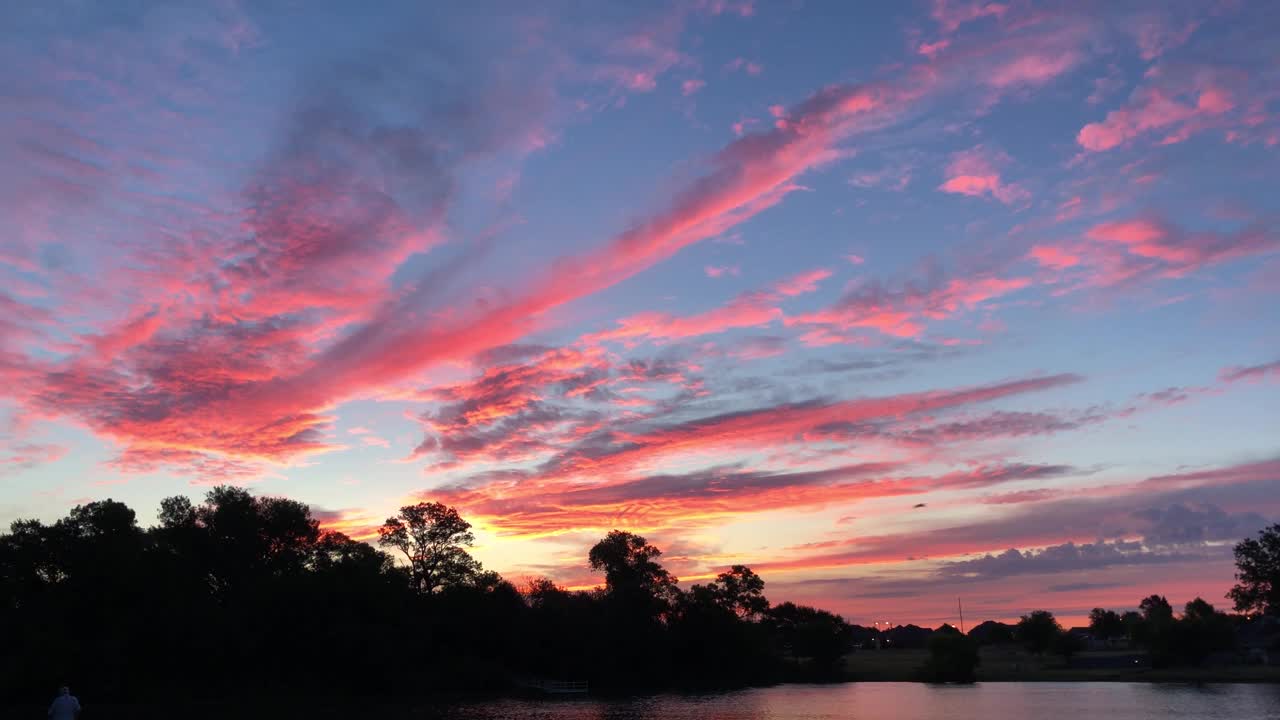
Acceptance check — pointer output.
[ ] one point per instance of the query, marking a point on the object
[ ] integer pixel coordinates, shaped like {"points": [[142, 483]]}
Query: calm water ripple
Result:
{"points": [[912, 701]]}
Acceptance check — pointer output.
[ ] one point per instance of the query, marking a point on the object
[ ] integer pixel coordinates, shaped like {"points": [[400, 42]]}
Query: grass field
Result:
{"points": [[999, 664]]}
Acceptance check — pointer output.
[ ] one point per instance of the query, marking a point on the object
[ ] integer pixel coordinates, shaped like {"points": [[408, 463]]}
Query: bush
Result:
{"points": [[952, 658]]}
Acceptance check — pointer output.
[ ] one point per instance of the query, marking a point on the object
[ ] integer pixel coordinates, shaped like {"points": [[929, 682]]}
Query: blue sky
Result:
{"points": [[753, 279]]}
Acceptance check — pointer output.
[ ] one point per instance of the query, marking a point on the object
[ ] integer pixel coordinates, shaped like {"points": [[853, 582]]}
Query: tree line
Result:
{"points": [[1167, 638], [242, 596]]}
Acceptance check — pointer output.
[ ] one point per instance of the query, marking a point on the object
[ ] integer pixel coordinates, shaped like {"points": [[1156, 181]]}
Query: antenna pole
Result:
{"points": [[961, 608]]}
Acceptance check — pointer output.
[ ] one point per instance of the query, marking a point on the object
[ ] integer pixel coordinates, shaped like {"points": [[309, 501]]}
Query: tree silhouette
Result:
{"points": [[631, 569], [1202, 631], [1037, 631], [433, 538], [737, 590], [1066, 644], [1106, 624], [807, 632], [953, 657], [1156, 609], [235, 595], [1258, 573]]}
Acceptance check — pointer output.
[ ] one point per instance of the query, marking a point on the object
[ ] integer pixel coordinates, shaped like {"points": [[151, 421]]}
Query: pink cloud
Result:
{"points": [[689, 87], [1069, 208], [20, 457], [894, 178], [904, 312], [758, 348], [805, 282], [930, 50], [556, 498], [1033, 68], [750, 67], [1179, 113], [741, 8], [301, 318], [715, 271], [749, 310], [1156, 35], [951, 14], [974, 173], [1252, 373], [1053, 257], [1106, 85], [1148, 247]]}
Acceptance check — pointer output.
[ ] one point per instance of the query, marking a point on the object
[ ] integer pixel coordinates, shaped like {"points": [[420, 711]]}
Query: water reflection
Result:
{"points": [[855, 701], [872, 701]]}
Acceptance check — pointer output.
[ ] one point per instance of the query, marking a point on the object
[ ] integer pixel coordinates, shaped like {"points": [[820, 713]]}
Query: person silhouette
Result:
{"points": [[64, 707]]}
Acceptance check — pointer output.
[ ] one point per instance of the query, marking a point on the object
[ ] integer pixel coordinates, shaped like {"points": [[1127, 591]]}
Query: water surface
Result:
{"points": [[913, 701]]}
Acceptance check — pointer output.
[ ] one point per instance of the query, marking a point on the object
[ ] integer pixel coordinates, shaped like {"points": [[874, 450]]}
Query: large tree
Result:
{"points": [[1156, 609], [738, 590], [630, 566], [433, 538], [1038, 630], [806, 632], [1258, 572], [1106, 624]]}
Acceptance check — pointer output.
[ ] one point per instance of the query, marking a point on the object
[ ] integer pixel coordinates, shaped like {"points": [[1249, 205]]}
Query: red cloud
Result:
{"points": [[355, 524], [625, 452], [246, 364], [693, 499]]}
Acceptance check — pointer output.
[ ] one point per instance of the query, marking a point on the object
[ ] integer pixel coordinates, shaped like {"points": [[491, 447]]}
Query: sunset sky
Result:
{"points": [[893, 302]]}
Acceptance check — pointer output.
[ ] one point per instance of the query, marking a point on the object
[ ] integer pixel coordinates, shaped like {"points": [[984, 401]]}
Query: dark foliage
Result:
{"points": [[1038, 631], [1066, 644], [814, 640], [952, 657], [1190, 639], [1258, 572], [1106, 625], [241, 596]]}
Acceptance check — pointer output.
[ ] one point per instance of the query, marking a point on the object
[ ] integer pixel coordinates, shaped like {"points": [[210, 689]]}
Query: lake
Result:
{"points": [[851, 701], [913, 701]]}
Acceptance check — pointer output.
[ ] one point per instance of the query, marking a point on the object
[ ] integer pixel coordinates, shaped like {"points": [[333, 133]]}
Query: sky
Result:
{"points": [[896, 303]]}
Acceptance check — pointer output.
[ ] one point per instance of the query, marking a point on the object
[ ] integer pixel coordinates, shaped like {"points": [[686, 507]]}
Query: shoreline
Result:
{"points": [[999, 665]]}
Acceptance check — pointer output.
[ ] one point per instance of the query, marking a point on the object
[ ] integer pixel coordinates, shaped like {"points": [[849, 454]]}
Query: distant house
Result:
{"points": [[1088, 640], [991, 632], [1259, 640], [907, 636]]}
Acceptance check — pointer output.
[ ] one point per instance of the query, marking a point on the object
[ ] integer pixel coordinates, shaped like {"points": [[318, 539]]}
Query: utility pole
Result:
{"points": [[961, 608]]}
